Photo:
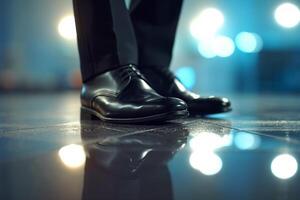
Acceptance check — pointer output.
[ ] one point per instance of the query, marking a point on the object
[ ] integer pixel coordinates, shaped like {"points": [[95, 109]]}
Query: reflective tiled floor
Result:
{"points": [[49, 151]]}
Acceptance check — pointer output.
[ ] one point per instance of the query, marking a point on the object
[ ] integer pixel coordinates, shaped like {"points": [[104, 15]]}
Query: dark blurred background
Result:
{"points": [[222, 46]]}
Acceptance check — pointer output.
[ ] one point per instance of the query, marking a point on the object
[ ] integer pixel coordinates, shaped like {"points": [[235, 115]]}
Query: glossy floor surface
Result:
{"points": [[48, 150]]}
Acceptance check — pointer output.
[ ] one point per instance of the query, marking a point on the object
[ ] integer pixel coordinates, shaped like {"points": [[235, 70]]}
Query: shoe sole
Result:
{"points": [[153, 118]]}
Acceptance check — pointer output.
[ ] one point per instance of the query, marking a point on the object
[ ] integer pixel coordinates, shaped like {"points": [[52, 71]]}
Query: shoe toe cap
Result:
{"points": [[209, 105], [224, 102]]}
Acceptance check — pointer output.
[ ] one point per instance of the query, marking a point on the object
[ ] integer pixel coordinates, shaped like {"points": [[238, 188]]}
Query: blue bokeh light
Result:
{"points": [[220, 45], [187, 76], [246, 141], [223, 46], [249, 42]]}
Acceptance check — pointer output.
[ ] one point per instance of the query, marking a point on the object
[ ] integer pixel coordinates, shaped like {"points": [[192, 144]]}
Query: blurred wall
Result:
{"points": [[240, 72], [34, 56]]}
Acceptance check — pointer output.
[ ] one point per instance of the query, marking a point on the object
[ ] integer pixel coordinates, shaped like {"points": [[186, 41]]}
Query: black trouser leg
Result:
{"points": [[106, 38], [155, 23]]}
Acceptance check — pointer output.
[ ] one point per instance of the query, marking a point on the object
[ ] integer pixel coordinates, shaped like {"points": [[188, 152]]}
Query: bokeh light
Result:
{"points": [[223, 46], [246, 141], [207, 23], [207, 141], [67, 28], [73, 155], [287, 15], [249, 42], [187, 76], [205, 49], [207, 163], [284, 166]]}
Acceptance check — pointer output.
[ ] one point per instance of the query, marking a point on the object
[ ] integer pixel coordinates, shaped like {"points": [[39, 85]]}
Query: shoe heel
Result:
{"points": [[86, 114]]}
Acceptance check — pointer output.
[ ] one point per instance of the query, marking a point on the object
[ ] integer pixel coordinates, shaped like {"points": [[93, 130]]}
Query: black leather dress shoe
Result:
{"points": [[166, 84], [123, 96]]}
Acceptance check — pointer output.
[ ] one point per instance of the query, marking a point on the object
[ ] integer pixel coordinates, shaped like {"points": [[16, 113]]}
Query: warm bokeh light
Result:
{"points": [[67, 27], [207, 23], [284, 166], [207, 163], [249, 42], [73, 155], [287, 15], [246, 141]]}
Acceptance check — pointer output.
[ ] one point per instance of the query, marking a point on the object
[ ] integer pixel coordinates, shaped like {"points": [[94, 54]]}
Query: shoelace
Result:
{"points": [[130, 71]]}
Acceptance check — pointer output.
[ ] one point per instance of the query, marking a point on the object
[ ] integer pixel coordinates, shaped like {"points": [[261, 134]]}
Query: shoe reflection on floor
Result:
{"points": [[128, 166]]}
